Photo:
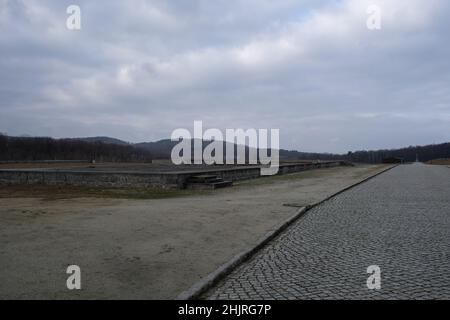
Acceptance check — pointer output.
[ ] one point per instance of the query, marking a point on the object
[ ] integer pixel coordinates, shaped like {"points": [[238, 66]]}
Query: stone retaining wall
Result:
{"points": [[136, 179]]}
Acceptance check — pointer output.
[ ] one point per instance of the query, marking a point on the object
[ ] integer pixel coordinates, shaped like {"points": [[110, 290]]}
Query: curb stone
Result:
{"points": [[213, 278], [209, 281]]}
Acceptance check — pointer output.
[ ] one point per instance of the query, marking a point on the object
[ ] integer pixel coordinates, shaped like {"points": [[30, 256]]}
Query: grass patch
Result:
{"points": [[307, 174], [68, 192], [355, 172]]}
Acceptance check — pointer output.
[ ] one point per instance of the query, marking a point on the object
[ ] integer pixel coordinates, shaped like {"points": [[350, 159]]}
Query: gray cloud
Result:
{"points": [[139, 69]]}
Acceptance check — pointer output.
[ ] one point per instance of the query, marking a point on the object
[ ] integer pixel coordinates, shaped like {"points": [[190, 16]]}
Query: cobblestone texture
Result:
{"points": [[399, 221]]}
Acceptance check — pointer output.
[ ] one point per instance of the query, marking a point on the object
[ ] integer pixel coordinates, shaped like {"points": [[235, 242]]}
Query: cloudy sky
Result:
{"points": [[139, 69]]}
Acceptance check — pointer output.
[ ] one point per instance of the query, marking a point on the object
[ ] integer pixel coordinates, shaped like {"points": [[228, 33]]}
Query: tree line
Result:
{"points": [[409, 154], [43, 148], [108, 149]]}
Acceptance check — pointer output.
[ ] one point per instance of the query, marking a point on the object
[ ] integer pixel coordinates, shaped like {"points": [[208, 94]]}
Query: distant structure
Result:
{"points": [[417, 157], [391, 160]]}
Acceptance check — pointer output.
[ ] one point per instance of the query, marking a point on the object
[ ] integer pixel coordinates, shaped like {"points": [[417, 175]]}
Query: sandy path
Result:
{"points": [[146, 249]]}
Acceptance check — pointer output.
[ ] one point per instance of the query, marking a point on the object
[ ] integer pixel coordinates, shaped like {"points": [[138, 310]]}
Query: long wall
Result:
{"points": [[136, 179]]}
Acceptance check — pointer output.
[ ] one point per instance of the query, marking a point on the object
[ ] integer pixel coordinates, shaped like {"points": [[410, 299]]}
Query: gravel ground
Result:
{"points": [[145, 249], [399, 221]]}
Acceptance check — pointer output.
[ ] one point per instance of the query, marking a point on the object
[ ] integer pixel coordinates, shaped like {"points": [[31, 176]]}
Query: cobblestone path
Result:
{"points": [[399, 220]]}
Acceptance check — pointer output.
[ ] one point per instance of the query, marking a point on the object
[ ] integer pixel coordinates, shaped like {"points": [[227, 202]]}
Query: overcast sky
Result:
{"points": [[139, 69]]}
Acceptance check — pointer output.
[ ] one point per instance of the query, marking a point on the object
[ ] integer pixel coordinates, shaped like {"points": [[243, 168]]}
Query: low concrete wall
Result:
{"points": [[43, 161], [91, 179], [136, 179]]}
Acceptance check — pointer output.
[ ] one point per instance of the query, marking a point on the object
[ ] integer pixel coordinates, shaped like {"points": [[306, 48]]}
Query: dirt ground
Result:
{"points": [[145, 249]]}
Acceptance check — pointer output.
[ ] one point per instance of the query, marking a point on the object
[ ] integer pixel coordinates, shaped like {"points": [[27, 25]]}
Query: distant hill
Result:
{"points": [[162, 149], [102, 140], [159, 149]]}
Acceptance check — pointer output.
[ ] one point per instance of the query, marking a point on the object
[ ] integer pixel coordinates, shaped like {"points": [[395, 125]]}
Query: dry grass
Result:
{"points": [[441, 162], [69, 192], [44, 165], [311, 174]]}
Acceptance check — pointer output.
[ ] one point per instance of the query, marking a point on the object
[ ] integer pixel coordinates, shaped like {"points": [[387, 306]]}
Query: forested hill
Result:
{"points": [[42, 148], [111, 149], [424, 153], [162, 149]]}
